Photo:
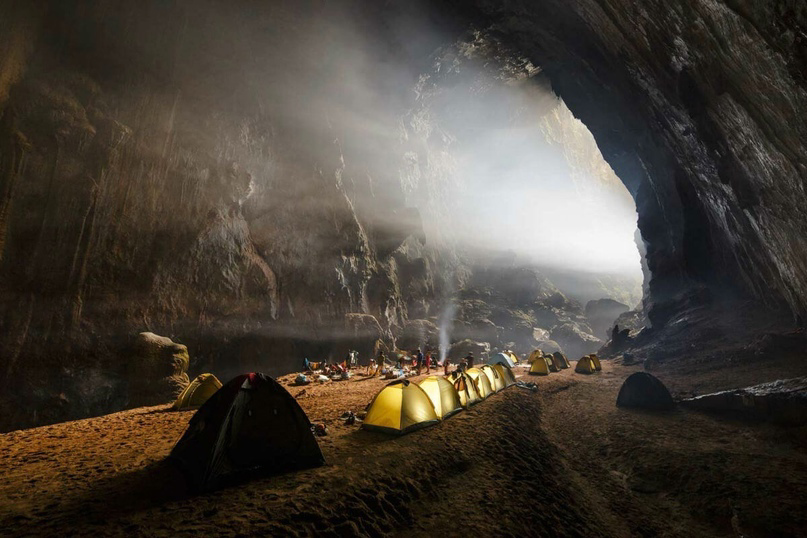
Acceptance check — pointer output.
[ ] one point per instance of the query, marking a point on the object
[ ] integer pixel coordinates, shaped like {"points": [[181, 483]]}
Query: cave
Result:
{"points": [[230, 187]]}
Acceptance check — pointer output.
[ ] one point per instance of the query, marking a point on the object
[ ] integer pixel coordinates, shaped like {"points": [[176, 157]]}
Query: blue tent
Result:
{"points": [[503, 358]]}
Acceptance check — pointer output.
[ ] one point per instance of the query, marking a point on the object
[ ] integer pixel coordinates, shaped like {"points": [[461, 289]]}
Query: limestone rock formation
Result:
{"points": [[783, 401], [418, 333], [574, 340], [481, 350], [156, 370], [602, 313]]}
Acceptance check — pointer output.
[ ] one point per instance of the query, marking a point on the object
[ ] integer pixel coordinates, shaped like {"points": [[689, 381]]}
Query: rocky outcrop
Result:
{"points": [[696, 107], [601, 315], [418, 333], [782, 401], [575, 341], [156, 370], [459, 350]]}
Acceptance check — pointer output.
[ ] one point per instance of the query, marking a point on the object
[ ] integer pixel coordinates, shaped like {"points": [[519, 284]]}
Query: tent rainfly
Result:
{"points": [[250, 425], [443, 395], [400, 407], [198, 392]]}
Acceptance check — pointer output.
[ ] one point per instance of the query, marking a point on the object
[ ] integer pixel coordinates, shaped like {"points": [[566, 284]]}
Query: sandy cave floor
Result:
{"points": [[560, 462]]}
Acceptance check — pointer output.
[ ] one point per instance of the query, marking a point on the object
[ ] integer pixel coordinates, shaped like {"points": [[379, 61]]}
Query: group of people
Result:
{"points": [[420, 361]]}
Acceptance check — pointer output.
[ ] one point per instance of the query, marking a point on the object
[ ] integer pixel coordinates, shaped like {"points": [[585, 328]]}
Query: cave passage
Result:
{"points": [[199, 189]]}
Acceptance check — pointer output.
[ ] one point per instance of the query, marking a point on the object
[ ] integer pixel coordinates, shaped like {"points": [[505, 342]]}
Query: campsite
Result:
{"points": [[414, 268], [596, 470]]}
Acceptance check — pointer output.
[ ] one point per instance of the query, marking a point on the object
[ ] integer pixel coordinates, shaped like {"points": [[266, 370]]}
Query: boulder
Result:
{"points": [[574, 340], [157, 370], [418, 333], [548, 346], [459, 350], [482, 330], [644, 391], [602, 314], [783, 401]]}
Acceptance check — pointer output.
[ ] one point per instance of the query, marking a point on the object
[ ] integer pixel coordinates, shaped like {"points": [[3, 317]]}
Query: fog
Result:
{"points": [[458, 127], [523, 175]]}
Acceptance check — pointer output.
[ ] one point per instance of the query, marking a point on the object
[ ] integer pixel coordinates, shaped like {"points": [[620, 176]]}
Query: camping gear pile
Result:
{"points": [[403, 406], [543, 363]]}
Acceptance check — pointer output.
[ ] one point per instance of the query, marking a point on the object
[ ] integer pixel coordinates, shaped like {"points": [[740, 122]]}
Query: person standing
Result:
{"points": [[446, 364], [428, 362], [419, 360]]}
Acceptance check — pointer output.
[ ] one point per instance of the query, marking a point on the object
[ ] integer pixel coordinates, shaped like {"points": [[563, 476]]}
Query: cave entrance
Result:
{"points": [[526, 190]]}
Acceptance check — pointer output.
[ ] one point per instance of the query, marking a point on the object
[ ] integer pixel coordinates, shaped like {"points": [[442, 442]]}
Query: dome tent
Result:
{"points": [[466, 389], [505, 373], [503, 358], [443, 395], [481, 382], [250, 425], [539, 366], [496, 382], [644, 391], [585, 366], [399, 408], [560, 360], [198, 392]]}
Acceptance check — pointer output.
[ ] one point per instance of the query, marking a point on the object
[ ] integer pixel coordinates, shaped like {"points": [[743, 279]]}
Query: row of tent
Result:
{"points": [[588, 365], [403, 406], [544, 364]]}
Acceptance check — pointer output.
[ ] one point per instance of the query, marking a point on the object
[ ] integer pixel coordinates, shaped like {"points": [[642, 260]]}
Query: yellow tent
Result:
{"points": [[512, 356], [539, 367], [496, 383], [550, 362], [481, 382], [537, 354], [585, 366], [443, 395], [505, 373], [465, 388], [400, 407], [596, 361], [198, 392], [560, 360]]}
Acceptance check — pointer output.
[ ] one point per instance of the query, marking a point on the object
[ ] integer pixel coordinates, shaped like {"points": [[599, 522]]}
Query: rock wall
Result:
{"points": [[170, 166], [698, 106], [173, 167]]}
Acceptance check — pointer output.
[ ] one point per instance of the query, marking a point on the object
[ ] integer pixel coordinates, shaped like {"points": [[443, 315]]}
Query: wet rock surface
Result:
{"points": [[783, 401]]}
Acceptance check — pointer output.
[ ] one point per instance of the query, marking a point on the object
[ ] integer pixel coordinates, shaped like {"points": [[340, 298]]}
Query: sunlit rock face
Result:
{"points": [[699, 108]]}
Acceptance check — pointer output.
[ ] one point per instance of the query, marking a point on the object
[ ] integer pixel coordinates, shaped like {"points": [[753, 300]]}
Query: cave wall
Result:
{"points": [[157, 175], [699, 108], [153, 175]]}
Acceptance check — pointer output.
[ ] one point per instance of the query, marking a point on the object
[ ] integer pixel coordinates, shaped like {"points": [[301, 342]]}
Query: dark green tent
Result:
{"points": [[251, 425]]}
